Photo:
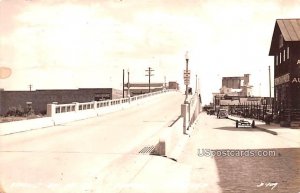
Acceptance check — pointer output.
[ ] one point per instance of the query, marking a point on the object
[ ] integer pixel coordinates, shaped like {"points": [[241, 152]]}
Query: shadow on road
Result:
{"points": [[237, 129], [279, 173], [256, 129]]}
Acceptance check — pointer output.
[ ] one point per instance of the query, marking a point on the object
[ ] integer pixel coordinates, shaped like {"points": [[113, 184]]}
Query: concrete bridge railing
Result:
{"points": [[190, 111], [194, 108], [75, 111], [63, 113]]}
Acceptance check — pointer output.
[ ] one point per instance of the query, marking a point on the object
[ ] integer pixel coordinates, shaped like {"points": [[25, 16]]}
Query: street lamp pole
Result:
{"points": [[270, 97], [185, 108], [187, 69]]}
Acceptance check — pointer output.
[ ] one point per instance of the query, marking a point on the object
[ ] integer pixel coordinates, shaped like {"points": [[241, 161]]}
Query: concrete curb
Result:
{"points": [[25, 125], [182, 141], [165, 140], [172, 142], [176, 152]]}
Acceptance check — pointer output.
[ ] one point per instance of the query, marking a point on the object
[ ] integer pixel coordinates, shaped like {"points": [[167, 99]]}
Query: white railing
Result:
{"points": [[194, 108], [54, 109], [193, 102], [190, 111]]}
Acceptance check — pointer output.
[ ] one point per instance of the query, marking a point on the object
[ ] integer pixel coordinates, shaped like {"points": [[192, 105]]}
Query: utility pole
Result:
{"points": [[128, 85], [270, 85], [30, 86], [123, 81], [186, 77], [149, 74]]}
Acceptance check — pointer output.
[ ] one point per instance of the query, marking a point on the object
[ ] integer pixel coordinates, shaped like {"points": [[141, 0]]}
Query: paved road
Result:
{"points": [[231, 173], [93, 155]]}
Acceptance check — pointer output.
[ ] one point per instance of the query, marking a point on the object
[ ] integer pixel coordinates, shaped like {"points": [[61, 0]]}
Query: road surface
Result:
{"points": [[102, 155], [94, 155]]}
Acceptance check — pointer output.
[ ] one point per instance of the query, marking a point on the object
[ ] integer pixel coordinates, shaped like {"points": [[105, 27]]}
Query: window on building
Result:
{"points": [[287, 53], [280, 41], [276, 60], [280, 58], [283, 55]]}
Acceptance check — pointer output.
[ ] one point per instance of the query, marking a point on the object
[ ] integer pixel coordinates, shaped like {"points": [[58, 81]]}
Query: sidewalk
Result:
{"points": [[239, 174], [275, 129], [203, 171], [291, 134]]}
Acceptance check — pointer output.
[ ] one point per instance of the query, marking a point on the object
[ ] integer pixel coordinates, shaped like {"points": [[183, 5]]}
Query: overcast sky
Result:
{"points": [[86, 43]]}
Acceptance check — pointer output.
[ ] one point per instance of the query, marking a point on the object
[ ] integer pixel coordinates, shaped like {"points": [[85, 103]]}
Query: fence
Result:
{"points": [[252, 110]]}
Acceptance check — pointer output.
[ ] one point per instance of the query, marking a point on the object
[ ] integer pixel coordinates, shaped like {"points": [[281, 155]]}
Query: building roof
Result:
{"points": [[290, 30]]}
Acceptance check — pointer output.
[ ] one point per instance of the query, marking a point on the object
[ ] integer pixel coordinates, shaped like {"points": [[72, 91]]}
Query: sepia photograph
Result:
{"points": [[149, 96]]}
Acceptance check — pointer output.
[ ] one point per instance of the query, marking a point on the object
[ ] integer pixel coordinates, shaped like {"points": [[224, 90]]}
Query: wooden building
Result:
{"points": [[285, 47]]}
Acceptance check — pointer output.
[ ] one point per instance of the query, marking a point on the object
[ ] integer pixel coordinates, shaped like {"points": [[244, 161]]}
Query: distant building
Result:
{"points": [[285, 46], [232, 82], [236, 86], [143, 88], [235, 90], [40, 98], [173, 85]]}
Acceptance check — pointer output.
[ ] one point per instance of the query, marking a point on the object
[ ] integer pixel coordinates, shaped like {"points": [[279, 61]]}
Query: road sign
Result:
{"points": [[186, 81], [186, 76]]}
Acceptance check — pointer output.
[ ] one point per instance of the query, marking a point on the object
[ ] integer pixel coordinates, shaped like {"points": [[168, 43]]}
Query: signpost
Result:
{"points": [[186, 77]]}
